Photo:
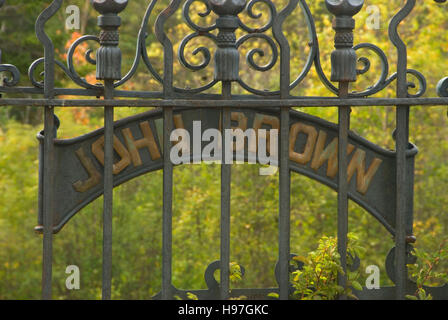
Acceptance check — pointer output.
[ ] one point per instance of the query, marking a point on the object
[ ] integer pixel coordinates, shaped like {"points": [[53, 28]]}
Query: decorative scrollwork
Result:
{"points": [[209, 276], [200, 32], [390, 260], [69, 70], [13, 71], [293, 266], [320, 72], [141, 49], [250, 55], [421, 80], [203, 50], [403, 84], [266, 17], [251, 14], [194, 26], [442, 87], [274, 22], [384, 80], [41, 21], [32, 69], [251, 61]]}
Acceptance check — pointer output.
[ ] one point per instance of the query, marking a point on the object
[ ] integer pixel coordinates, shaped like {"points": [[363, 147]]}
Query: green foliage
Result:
{"points": [[424, 271], [192, 296], [236, 274], [137, 218], [318, 278]]}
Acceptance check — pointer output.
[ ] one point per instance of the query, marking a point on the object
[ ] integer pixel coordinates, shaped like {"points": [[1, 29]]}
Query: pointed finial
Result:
{"points": [[109, 6], [228, 7], [344, 7], [227, 57], [343, 59], [108, 56]]}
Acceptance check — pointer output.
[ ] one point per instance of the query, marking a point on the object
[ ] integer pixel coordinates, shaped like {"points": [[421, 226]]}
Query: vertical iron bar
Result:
{"points": [[167, 228], [108, 68], [402, 118], [108, 190], [47, 260], [285, 174], [344, 120], [343, 71], [225, 197], [49, 156], [284, 206], [167, 237], [401, 142]]}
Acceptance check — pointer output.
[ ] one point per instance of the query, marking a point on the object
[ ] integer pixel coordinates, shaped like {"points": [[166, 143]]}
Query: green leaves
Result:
{"points": [[137, 218], [274, 295], [424, 271], [356, 285], [318, 278], [236, 274], [192, 296]]}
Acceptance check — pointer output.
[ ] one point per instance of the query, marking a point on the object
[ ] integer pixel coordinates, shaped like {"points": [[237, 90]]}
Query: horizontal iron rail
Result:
{"points": [[324, 102]]}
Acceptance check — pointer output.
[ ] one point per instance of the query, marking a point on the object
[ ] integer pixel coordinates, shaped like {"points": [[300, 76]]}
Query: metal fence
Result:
{"points": [[396, 215]]}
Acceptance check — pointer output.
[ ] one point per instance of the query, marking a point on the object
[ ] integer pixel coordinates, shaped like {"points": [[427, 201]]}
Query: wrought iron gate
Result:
{"points": [[395, 175]]}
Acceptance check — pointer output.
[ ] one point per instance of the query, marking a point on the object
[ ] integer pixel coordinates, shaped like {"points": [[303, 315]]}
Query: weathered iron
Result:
{"points": [[313, 152], [108, 68], [75, 172]]}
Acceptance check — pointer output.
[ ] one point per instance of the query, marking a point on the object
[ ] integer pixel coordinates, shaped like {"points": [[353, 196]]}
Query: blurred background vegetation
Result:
{"points": [[138, 204]]}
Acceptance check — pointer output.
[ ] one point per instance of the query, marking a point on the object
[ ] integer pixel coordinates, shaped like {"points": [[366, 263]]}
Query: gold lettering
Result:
{"points": [[179, 124], [178, 121], [310, 131], [358, 164], [261, 119], [94, 175], [147, 141], [241, 119], [330, 154], [98, 151]]}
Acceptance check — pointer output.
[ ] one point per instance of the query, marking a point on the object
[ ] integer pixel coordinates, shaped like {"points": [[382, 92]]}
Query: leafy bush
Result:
{"points": [[424, 271], [318, 278]]}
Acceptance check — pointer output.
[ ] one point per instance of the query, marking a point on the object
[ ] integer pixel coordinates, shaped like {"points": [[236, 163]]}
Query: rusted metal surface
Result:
{"points": [[75, 172], [312, 149], [343, 70]]}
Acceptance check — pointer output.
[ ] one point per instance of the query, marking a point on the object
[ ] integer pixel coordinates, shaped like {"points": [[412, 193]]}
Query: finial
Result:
{"points": [[109, 6], [228, 7], [344, 7], [227, 56], [108, 56], [344, 59]]}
